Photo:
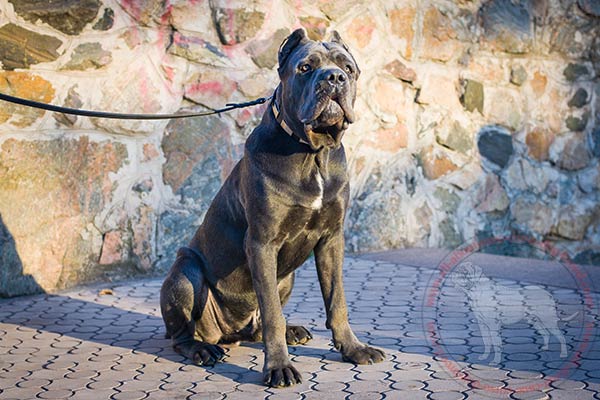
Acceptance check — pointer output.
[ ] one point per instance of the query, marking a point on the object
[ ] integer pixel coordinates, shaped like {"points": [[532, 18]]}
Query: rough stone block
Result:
{"points": [[58, 246], [436, 164], [89, 56], [401, 71], [573, 221], [147, 12], [439, 36], [402, 25], [20, 48], [236, 25], [28, 86], [197, 49], [518, 75], [574, 72], [67, 16], [538, 142], [495, 145], [455, 137], [264, 52], [507, 26], [491, 196], [211, 88], [472, 95], [533, 215], [570, 152], [579, 99], [105, 22]]}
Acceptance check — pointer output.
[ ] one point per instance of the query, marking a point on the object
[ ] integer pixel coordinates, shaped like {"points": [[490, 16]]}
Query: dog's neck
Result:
{"points": [[314, 146], [281, 121]]}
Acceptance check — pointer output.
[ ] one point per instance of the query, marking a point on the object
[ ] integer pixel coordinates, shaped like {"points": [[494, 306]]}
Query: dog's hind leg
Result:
{"points": [[486, 338], [184, 301], [539, 326], [555, 330], [547, 328]]}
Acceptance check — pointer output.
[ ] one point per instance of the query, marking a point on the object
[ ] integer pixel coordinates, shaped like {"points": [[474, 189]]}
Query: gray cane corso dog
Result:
{"points": [[286, 197]]}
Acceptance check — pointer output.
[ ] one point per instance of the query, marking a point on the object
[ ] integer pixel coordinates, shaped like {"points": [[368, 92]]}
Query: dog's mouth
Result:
{"points": [[329, 110], [330, 116]]}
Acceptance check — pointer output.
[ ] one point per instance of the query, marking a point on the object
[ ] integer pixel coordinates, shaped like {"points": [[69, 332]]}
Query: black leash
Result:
{"points": [[102, 114]]}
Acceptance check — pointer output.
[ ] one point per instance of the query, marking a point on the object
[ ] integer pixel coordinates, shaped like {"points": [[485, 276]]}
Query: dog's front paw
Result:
{"points": [[363, 355], [207, 354], [295, 335], [283, 376]]}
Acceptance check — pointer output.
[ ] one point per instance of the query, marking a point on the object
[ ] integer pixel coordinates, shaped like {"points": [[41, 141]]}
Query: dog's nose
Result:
{"points": [[335, 76]]}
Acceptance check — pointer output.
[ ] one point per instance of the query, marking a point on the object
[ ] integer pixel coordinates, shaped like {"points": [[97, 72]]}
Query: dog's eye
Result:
{"points": [[349, 69], [304, 68]]}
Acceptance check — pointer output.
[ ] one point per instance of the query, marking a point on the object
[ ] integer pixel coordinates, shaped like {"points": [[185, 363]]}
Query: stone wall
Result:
{"points": [[477, 119]]}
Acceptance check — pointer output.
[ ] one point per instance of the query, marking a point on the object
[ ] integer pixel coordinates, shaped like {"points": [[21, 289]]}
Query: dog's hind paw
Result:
{"points": [[207, 354], [295, 334]]}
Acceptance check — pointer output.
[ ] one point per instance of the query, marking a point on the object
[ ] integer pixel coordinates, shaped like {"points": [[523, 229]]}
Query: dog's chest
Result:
{"points": [[317, 203]]}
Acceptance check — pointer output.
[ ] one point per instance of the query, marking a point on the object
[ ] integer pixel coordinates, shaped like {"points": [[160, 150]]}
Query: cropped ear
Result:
{"points": [[336, 38], [289, 44]]}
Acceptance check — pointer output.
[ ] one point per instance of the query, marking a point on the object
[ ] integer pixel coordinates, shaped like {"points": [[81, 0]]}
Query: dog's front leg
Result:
{"points": [[329, 255], [262, 259]]}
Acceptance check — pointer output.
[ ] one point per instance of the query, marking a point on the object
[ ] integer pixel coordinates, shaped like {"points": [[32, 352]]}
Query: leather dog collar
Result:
{"points": [[284, 124]]}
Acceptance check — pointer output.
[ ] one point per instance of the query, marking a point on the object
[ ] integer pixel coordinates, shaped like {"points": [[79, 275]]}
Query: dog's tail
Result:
{"points": [[570, 317]]}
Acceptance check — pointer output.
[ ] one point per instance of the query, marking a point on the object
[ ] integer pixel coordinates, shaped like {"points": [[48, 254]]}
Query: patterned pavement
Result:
{"points": [[81, 344]]}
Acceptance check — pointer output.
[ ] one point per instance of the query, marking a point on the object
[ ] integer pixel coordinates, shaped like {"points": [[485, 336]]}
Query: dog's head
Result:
{"points": [[318, 88], [466, 275]]}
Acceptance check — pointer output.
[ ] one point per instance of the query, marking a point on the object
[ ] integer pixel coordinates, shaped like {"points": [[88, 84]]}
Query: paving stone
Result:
{"points": [[167, 395], [103, 385], [372, 376], [413, 374], [339, 366], [47, 374], [330, 386], [33, 383], [207, 396], [135, 386], [245, 395], [19, 393], [130, 395], [448, 395], [530, 395], [336, 376], [595, 374], [407, 385], [572, 395], [368, 386], [442, 385], [56, 394], [365, 396], [151, 376]]}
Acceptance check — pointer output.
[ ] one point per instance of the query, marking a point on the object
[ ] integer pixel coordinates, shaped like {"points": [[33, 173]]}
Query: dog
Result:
{"points": [[496, 305], [284, 199]]}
